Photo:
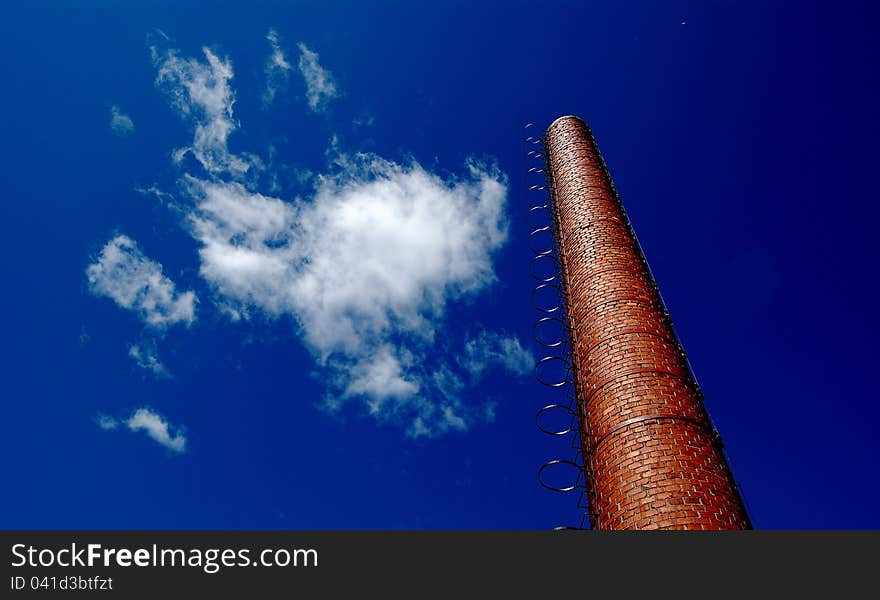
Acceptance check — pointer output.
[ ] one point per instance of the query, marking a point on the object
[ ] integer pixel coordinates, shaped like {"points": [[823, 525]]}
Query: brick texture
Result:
{"points": [[652, 458]]}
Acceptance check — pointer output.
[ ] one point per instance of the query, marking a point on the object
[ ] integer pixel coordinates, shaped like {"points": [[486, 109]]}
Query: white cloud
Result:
{"points": [[154, 191], [120, 122], [366, 266], [277, 69], [136, 283], [201, 92], [380, 377], [146, 356], [151, 423], [106, 423], [320, 85], [155, 426], [493, 349]]}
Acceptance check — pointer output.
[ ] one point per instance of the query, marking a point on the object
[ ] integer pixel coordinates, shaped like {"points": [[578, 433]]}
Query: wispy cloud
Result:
{"points": [[154, 191], [320, 85], [365, 120], [151, 423], [155, 426], [120, 122], [106, 422], [277, 69], [201, 92], [136, 283], [146, 356], [367, 265], [490, 349]]}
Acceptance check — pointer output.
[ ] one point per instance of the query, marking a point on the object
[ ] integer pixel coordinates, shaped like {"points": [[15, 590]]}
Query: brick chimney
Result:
{"points": [[652, 458]]}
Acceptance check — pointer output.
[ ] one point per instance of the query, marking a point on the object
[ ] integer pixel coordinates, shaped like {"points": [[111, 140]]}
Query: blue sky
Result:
{"points": [[267, 262]]}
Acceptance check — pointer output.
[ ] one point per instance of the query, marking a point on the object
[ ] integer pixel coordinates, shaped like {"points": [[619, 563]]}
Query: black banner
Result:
{"points": [[268, 564]]}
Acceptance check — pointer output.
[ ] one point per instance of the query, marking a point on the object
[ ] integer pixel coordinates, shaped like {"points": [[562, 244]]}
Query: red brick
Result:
{"points": [[651, 456]]}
